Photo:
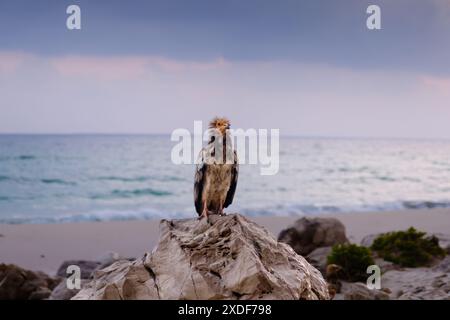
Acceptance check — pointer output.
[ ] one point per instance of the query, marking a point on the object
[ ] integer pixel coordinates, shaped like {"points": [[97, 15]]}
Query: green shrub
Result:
{"points": [[408, 248], [353, 259]]}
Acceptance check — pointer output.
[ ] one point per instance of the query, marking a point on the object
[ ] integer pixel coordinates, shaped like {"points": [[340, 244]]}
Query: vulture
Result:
{"points": [[216, 172]]}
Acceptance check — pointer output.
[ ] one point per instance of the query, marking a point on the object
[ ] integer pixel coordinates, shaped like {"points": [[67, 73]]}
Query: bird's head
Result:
{"points": [[220, 124]]}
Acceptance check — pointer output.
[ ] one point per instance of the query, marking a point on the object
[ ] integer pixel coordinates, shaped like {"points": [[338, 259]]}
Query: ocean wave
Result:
{"points": [[425, 204], [295, 209], [131, 193], [45, 180], [125, 179], [292, 210], [98, 216], [25, 157], [57, 181], [163, 178]]}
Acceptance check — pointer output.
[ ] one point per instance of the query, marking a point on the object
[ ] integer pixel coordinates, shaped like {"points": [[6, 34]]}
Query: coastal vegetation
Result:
{"points": [[410, 248], [353, 260]]}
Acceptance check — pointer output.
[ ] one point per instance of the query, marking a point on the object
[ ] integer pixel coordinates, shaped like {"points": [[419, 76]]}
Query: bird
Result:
{"points": [[216, 171]]}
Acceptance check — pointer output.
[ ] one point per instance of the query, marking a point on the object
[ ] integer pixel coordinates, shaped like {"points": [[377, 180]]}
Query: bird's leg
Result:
{"points": [[204, 211], [221, 213]]}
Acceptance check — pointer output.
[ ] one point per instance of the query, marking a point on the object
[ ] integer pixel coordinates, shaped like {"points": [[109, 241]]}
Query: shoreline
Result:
{"points": [[44, 247]]}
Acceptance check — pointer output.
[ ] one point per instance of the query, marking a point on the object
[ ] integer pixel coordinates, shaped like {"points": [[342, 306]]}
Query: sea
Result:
{"points": [[71, 178]]}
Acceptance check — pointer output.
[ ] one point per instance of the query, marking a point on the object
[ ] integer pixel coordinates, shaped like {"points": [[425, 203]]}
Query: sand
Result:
{"points": [[45, 246]]}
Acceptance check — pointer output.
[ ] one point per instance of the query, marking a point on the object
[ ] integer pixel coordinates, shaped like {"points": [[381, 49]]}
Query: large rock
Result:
{"points": [[87, 267], [359, 291], [228, 258], [62, 292], [20, 284], [319, 258], [444, 241], [308, 234], [368, 240]]}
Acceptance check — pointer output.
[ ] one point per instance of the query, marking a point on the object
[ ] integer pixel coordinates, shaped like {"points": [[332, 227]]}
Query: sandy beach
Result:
{"points": [[45, 246]]}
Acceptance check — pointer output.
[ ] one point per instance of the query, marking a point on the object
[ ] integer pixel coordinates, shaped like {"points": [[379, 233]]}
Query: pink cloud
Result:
{"points": [[104, 68], [437, 83], [177, 65], [11, 61], [128, 67]]}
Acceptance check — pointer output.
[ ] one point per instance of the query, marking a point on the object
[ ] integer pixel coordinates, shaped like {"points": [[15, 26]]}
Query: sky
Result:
{"points": [[309, 68]]}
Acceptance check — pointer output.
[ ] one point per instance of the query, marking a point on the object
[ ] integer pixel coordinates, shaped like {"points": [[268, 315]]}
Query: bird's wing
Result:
{"points": [[234, 179], [200, 171]]}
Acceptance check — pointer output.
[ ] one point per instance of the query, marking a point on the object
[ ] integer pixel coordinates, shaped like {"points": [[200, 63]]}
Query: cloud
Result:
{"points": [[101, 67], [441, 84], [71, 94], [128, 67], [11, 61]]}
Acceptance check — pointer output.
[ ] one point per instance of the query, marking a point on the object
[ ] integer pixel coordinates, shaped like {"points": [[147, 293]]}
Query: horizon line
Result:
{"points": [[168, 134]]}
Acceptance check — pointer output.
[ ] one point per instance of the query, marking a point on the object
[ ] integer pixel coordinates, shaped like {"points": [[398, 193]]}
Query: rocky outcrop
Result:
{"points": [[228, 258], [359, 291], [420, 283], [308, 234], [20, 284], [444, 241], [87, 267], [62, 292], [318, 258], [426, 283], [368, 240]]}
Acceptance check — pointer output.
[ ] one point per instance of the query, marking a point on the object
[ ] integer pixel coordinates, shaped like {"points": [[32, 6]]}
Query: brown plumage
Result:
{"points": [[217, 171]]}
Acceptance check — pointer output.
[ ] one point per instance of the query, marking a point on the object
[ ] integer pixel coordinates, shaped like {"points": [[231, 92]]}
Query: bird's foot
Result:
{"points": [[204, 215]]}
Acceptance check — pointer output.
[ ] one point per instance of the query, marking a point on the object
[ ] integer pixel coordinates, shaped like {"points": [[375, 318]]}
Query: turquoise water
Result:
{"points": [[60, 178]]}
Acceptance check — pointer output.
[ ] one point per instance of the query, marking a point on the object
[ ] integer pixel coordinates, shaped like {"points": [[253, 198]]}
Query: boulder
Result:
{"points": [[368, 240], [318, 258], [307, 234], [228, 257], [20, 284], [359, 291], [61, 292], [108, 258], [87, 267], [386, 265], [40, 294], [444, 241]]}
